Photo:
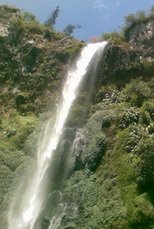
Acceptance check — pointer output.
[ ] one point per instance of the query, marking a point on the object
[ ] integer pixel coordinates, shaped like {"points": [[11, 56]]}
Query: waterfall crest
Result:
{"points": [[33, 199]]}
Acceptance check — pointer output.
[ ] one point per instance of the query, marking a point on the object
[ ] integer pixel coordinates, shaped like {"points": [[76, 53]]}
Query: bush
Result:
{"points": [[16, 129], [145, 118], [149, 107], [93, 153], [11, 158], [28, 16], [145, 168], [137, 92], [130, 19], [130, 116], [34, 27], [22, 24], [144, 212], [148, 67], [16, 29], [114, 37], [95, 140]]}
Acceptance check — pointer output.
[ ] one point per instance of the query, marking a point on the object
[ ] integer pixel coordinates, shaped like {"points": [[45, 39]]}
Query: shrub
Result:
{"points": [[144, 212], [145, 168], [16, 29], [28, 16], [17, 128], [149, 107], [145, 117], [114, 37], [137, 91], [95, 141], [93, 153], [11, 158], [148, 67], [130, 19], [130, 116], [33, 27]]}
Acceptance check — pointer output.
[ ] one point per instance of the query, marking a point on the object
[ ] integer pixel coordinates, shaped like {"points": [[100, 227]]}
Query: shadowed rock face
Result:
{"points": [[130, 59], [121, 62]]}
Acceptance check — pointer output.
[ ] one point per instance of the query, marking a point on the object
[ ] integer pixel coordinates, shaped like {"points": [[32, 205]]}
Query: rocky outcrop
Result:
{"points": [[142, 34], [32, 60], [120, 63], [126, 60], [3, 30]]}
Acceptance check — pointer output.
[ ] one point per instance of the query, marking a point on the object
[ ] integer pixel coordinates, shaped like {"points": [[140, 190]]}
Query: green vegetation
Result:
{"points": [[69, 29], [51, 21], [111, 177], [112, 180], [114, 37], [133, 20]]}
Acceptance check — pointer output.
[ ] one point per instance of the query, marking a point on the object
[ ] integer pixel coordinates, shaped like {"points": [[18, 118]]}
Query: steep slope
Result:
{"points": [[111, 182]]}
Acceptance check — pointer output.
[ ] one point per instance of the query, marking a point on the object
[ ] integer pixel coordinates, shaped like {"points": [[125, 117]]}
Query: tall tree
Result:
{"points": [[51, 21]]}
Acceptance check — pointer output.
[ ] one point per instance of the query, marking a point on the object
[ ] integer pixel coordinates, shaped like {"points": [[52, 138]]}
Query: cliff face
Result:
{"points": [[111, 174], [142, 34], [32, 59]]}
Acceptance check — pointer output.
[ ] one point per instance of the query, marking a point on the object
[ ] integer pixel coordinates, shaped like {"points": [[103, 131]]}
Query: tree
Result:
{"points": [[130, 19], [51, 21], [69, 29]]}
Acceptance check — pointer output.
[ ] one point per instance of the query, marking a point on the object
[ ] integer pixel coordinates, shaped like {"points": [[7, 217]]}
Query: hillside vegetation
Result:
{"points": [[110, 183]]}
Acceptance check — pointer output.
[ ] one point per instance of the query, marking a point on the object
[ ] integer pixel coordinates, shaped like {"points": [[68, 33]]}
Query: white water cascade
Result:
{"points": [[33, 197]]}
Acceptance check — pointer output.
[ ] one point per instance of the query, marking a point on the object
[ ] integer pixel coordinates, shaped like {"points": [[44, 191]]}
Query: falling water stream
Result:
{"points": [[33, 198]]}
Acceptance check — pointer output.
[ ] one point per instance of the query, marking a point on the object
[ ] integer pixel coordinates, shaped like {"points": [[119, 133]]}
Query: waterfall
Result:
{"points": [[34, 196]]}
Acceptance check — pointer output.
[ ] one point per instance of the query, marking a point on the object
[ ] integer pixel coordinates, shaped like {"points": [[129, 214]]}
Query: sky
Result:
{"points": [[95, 16]]}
